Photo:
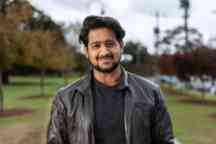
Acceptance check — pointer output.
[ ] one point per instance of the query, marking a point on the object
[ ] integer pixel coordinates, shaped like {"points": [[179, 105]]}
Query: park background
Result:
{"points": [[172, 43]]}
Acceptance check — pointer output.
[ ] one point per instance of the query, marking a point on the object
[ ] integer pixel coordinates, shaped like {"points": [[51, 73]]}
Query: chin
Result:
{"points": [[106, 69]]}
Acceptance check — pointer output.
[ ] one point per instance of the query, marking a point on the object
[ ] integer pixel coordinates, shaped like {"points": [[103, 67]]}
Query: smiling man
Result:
{"points": [[108, 105]]}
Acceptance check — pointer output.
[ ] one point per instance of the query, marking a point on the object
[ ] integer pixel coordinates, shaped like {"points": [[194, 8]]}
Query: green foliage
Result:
{"points": [[136, 50], [29, 37], [81, 63], [7, 53]]}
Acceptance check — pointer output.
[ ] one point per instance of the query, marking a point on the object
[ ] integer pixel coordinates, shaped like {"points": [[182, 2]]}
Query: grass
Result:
{"points": [[24, 86], [192, 124], [29, 86]]}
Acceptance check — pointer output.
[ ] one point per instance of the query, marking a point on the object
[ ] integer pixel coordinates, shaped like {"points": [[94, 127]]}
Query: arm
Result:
{"points": [[162, 132], [56, 133]]}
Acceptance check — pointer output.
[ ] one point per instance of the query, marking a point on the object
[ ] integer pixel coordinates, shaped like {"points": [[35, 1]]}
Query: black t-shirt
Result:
{"points": [[109, 114]]}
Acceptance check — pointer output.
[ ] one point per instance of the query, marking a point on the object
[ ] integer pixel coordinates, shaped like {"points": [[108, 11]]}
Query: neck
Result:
{"points": [[109, 79]]}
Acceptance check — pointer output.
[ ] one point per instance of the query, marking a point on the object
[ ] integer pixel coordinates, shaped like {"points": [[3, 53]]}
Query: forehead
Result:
{"points": [[101, 34]]}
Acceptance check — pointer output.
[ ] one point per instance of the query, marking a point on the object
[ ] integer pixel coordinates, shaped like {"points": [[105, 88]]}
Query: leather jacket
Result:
{"points": [[146, 119]]}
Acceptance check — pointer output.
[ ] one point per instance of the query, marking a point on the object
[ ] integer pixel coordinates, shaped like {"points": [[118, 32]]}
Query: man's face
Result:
{"points": [[103, 50]]}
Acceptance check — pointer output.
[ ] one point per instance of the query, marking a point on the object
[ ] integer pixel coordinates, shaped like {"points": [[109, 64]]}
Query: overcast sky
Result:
{"points": [[136, 16]]}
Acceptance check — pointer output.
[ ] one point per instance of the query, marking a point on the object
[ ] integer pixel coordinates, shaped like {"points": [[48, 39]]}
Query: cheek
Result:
{"points": [[92, 56], [117, 54]]}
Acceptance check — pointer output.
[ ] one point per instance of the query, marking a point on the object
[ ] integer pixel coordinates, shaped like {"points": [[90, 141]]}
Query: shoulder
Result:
{"points": [[149, 91], [72, 86], [66, 93], [142, 81]]}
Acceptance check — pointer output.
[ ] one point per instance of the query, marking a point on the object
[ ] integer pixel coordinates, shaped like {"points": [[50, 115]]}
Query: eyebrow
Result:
{"points": [[96, 42]]}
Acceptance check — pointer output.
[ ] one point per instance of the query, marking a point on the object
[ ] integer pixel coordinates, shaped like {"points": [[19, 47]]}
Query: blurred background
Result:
{"points": [[171, 42]]}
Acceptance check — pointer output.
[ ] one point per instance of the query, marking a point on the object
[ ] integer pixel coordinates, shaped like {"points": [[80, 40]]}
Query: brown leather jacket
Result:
{"points": [[146, 119]]}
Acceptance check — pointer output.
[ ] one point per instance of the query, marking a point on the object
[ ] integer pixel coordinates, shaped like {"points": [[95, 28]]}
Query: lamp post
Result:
{"points": [[157, 32]]}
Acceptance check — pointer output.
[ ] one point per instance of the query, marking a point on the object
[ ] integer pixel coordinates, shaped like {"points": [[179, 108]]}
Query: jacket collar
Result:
{"points": [[88, 79]]}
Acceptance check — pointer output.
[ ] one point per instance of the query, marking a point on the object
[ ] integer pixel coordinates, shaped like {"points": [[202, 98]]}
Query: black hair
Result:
{"points": [[93, 22]]}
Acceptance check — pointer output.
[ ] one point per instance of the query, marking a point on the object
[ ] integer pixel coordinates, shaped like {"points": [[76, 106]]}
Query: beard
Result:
{"points": [[110, 69]]}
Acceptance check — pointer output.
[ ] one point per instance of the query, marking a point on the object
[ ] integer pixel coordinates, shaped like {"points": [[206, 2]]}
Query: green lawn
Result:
{"points": [[192, 124], [21, 87]]}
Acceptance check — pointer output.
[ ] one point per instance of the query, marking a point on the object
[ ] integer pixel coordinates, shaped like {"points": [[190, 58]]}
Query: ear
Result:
{"points": [[122, 46]]}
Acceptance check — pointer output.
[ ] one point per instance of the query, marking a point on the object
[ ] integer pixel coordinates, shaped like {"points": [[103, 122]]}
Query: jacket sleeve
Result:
{"points": [[56, 132], [162, 132]]}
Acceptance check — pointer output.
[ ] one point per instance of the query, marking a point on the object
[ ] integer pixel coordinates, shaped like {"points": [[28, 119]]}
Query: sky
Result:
{"points": [[136, 16]]}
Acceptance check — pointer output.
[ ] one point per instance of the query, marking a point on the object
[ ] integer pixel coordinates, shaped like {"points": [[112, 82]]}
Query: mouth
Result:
{"points": [[106, 60]]}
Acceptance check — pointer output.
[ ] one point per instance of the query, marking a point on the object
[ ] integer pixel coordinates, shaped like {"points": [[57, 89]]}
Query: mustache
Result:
{"points": [[105, 56]]}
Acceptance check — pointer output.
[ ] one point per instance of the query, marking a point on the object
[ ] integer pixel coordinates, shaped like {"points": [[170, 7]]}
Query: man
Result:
{"points": [[109, 105]]}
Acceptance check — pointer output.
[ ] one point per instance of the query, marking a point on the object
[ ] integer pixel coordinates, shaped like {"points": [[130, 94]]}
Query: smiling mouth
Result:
{"points": [[106, 60]]}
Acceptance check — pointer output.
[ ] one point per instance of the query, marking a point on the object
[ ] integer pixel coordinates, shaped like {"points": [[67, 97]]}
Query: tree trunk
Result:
{"points": [[65, 76], [1, 93], [186, 30], [5, 77], [3, 6], [42, 82]]}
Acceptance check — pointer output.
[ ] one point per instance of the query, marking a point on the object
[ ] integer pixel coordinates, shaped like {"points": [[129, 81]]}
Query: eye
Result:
{"points": [[109, 44], [95, 46]]}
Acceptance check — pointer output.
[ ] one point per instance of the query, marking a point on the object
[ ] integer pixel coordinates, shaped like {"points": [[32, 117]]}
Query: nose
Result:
{"points": [[104, 50]]}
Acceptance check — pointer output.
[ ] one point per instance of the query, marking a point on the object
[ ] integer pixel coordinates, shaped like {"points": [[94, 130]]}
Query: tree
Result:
{"points": [[6, 58], [81, 64], [185, 5], [39, 47], [175, 39], [13, 14], [182, 38], [137, 50], [167, 65], [7, 38], [198, 62], [63, 60], [28, 37], [142, 62], [44, 50]]}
